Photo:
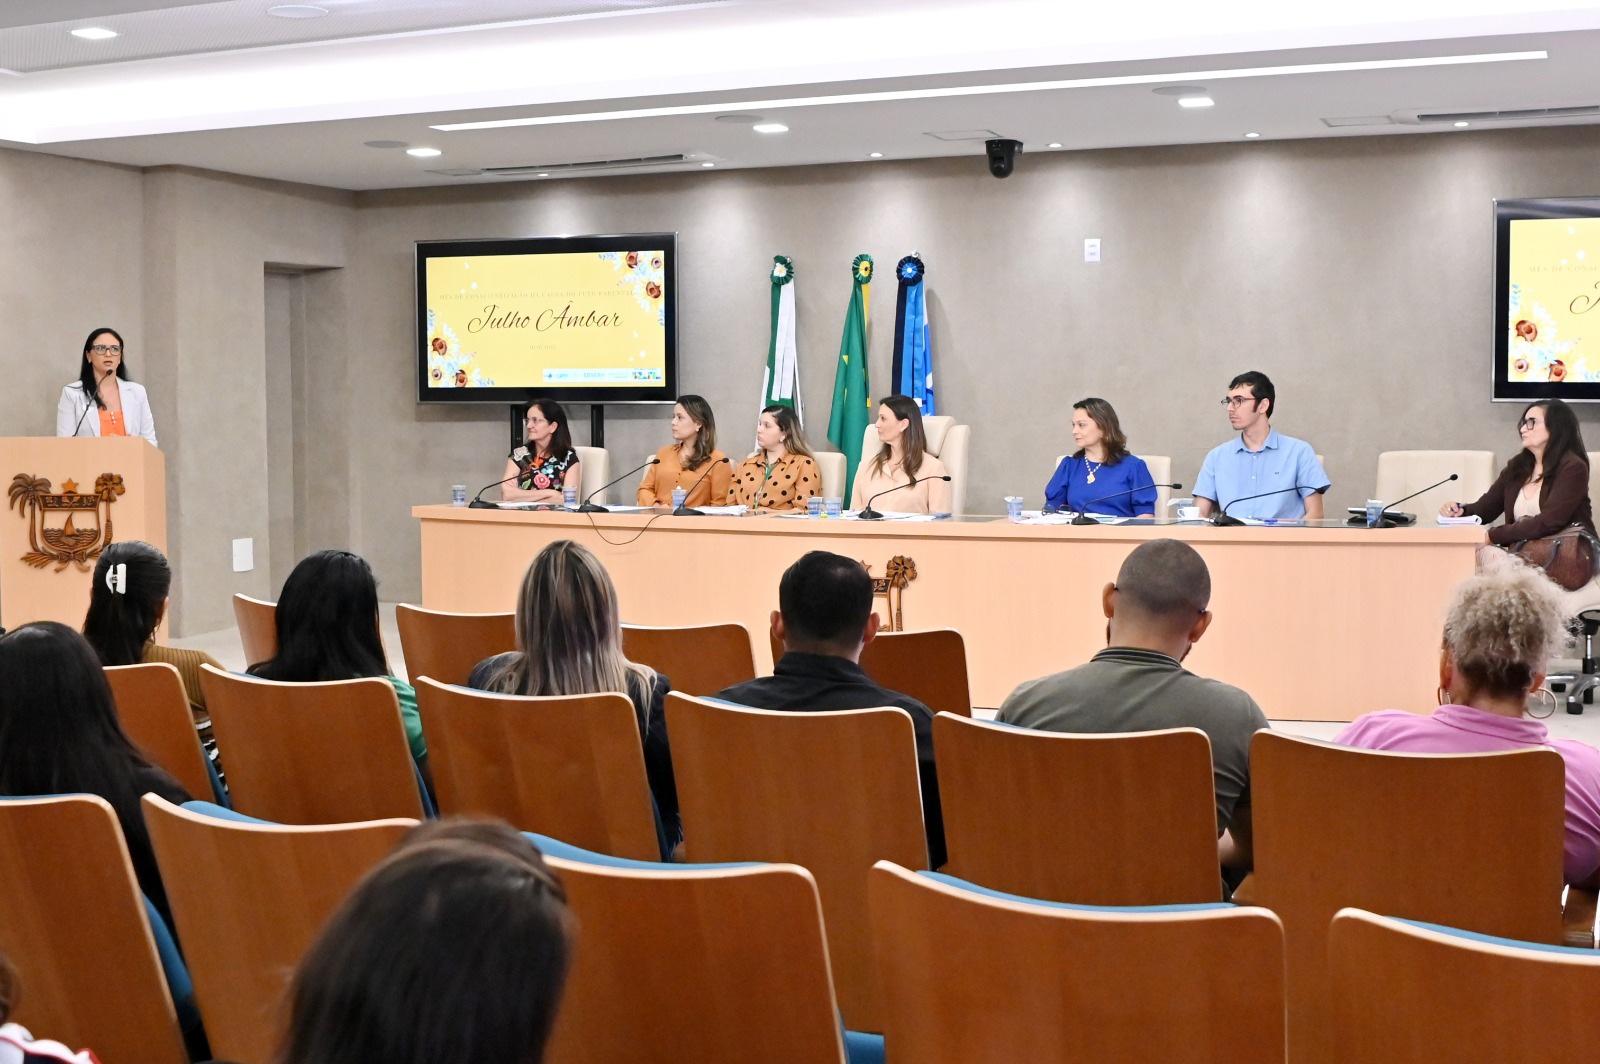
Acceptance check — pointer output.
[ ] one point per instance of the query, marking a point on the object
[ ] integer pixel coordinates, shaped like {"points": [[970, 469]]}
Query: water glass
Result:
{"points": [[834, 506], [569, 497], [1014, 507], [1374, 513], [679, 497], [458, 495], [815, 505]]}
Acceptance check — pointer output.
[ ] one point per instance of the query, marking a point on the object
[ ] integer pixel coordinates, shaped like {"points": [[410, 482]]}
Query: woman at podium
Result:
{"points": [[103, 401]]}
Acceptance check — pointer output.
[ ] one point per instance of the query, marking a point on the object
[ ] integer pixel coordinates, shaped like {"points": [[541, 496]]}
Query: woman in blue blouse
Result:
{"points": [[547, 462], [1100, 475]]}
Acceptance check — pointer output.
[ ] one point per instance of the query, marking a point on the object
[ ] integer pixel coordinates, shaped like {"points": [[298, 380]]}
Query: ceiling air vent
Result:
{"points": [[1524, 115], [582, 167], [963, 134], [1359, 120]]}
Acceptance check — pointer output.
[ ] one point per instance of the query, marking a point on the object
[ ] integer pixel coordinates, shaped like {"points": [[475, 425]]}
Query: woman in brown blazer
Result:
{"points": [[1545, 486]]}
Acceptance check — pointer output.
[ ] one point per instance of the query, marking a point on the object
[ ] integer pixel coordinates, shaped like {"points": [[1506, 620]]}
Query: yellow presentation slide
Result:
{"points": [[1555, 297], [589, 319]]}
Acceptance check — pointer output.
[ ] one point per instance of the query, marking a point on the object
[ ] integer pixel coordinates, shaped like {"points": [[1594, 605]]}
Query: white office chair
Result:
{"points": [[1160, 466], [946, 440], [832, 466], [594, 467], [1402, 472]]}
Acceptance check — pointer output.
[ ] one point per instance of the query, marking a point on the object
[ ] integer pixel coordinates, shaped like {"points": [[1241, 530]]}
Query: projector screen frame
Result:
{"points": [[1506, 211], [573, 244]]}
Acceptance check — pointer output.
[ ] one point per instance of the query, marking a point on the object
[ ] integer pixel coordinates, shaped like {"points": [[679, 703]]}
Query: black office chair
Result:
{"points": [[1578, 688]]}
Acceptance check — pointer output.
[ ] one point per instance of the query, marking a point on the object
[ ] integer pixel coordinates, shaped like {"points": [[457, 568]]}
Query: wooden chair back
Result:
{"points": [[929, 666], [312, 753], [249, 899], [73, 923], [699, 660], [258, 628], [973, 979], [446, 646], [715, 965], [1124, 819], [1404, 994], [154, 711], [831, 792], [570, 767], [1467, 840]]}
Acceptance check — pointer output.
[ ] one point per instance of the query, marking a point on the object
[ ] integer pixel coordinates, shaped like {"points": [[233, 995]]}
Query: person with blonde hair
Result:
{"points": [[780, 475], [569, 642], [1501, 631]]}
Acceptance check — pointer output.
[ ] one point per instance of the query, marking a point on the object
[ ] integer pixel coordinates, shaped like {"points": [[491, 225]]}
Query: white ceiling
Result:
{"points": [[224, 86]]}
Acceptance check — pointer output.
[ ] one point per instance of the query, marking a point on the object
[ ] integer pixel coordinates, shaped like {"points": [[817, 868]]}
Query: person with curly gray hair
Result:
{"points": [[1502, 629]]}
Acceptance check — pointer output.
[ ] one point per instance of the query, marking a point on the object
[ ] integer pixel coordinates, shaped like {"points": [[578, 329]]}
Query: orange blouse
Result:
{"points": [[793, 480], [111, 424], [660, 479]]}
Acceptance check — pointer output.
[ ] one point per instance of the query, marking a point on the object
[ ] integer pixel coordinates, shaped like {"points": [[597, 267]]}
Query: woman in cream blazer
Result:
{"points": [[123, 404]]}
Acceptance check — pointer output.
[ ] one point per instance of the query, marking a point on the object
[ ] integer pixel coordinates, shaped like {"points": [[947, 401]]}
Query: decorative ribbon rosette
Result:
{"points": [[861, 269], [909, 270], [782, 269]]}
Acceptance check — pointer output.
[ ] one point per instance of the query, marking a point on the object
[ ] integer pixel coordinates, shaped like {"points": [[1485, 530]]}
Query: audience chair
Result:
{"points": [[594, 471], [831, 465], [929, 666], [699, 661], [258, 628], [1468, 840], [1125, 819], [313, 753], [571, 767], [249, 898], [447, 646], [973, 976], [154, 711], [949, 442], [1160, 466], [716, 964], [1414, 993], [831, 792], [77, 929], [1402, 472]]}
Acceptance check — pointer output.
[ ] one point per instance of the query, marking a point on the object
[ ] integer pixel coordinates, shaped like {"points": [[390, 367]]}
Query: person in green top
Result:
{"points": [[327, 625]]}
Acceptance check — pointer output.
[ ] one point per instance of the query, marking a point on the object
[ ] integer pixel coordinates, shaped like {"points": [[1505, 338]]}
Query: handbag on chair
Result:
{"points": [[1567, 557]]}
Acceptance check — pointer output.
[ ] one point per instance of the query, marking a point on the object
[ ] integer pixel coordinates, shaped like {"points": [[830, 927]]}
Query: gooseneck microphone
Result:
{"points": [[590, 507], [91, 401], [869, 514], [690, 511], [478, 502], [1398, 520], [1226, 519], [1085, 519]]}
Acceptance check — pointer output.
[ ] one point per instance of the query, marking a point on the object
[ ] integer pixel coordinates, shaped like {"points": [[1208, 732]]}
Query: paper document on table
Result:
{"points": [[629, 509], [1065, 517], [724, 511], [892, 515], [1465, 519]]}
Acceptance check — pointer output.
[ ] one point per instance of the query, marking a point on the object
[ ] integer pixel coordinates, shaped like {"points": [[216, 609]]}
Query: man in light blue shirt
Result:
{"points": [[1260, 460]]}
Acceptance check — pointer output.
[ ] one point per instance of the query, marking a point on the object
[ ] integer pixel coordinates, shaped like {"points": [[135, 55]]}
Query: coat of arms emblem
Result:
{"points": [[65, 527], [891, 587]]}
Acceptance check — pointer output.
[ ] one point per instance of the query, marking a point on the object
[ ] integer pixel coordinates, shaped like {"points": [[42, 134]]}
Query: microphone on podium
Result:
{"points": [[869, 514], [1226, 519], [591, 507], [689, 511], [1085, 519]]}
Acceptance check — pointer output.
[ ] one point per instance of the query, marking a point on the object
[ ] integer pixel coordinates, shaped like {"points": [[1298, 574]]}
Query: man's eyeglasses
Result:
{"points": [[1239, 400], [107, 349]]}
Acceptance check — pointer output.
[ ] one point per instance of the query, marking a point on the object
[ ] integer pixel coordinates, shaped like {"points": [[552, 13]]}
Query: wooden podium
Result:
{"points": [[67, 498]]}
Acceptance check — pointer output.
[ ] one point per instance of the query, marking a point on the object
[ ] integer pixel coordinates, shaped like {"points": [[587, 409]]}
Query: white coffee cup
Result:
{"points": [[1188, 513]]}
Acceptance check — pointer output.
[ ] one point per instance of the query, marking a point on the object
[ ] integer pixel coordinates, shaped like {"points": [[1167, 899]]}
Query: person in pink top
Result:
{"points": [[1498, 636]]}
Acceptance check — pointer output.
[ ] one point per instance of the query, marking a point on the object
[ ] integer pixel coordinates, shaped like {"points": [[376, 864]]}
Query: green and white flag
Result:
{"points": [[781, 386], [852, 394]]}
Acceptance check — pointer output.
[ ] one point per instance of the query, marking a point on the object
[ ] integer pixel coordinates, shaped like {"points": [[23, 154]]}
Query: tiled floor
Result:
{"points": [[224, 646]]}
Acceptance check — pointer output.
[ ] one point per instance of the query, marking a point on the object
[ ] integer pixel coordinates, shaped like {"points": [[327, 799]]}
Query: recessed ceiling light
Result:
{"points": [[1193, 102], [708, 165], [541, 175], [296, 11], [1463, 125], [1251, 136], [1053, 144], [874, 154], [94, 33], [770, 127], [424, 153]]}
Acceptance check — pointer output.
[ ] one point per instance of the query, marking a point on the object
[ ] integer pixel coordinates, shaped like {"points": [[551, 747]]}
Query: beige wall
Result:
{"points": [[1356, 272]]}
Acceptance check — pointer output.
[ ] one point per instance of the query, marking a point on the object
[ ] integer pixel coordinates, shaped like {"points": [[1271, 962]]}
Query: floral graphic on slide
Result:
{"points": [[1538, 351], [448, 365], [643, 271]]}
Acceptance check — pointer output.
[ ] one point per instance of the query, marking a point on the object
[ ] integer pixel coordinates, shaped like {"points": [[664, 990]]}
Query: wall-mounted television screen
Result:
{"points": [[1547, 299], [589, 319]]}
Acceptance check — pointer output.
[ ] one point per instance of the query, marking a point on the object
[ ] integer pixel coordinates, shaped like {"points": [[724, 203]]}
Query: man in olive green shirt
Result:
{"points": [[1156, 611]]}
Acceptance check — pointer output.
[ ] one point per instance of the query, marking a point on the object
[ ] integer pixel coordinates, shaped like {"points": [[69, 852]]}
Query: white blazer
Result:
{"points": [[135, 412]]}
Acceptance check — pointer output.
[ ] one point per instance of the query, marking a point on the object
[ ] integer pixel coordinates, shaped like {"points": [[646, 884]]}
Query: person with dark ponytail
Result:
{"points": [[127, 602]]}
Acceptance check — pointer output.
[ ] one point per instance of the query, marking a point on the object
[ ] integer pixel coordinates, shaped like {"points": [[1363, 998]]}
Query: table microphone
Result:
{"points": [[690, 511], [1085, 519], [869, 514], [1226, 520], [92, 403], [1386, 520], [589, 507], [478, 502]]}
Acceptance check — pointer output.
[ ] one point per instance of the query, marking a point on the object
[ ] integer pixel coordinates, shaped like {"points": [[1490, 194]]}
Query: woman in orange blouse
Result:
{"points": [[683, 463], [781, 475]]}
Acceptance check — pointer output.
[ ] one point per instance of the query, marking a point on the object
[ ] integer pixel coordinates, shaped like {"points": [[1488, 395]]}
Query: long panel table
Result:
{"points": [[1318, 623]]}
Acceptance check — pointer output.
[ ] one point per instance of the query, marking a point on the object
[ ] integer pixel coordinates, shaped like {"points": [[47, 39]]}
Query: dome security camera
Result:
{"points": [[1002, 156]]}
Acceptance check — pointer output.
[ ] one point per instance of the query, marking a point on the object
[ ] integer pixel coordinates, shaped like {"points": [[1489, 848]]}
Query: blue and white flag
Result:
{"points": [[913, 361]]}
